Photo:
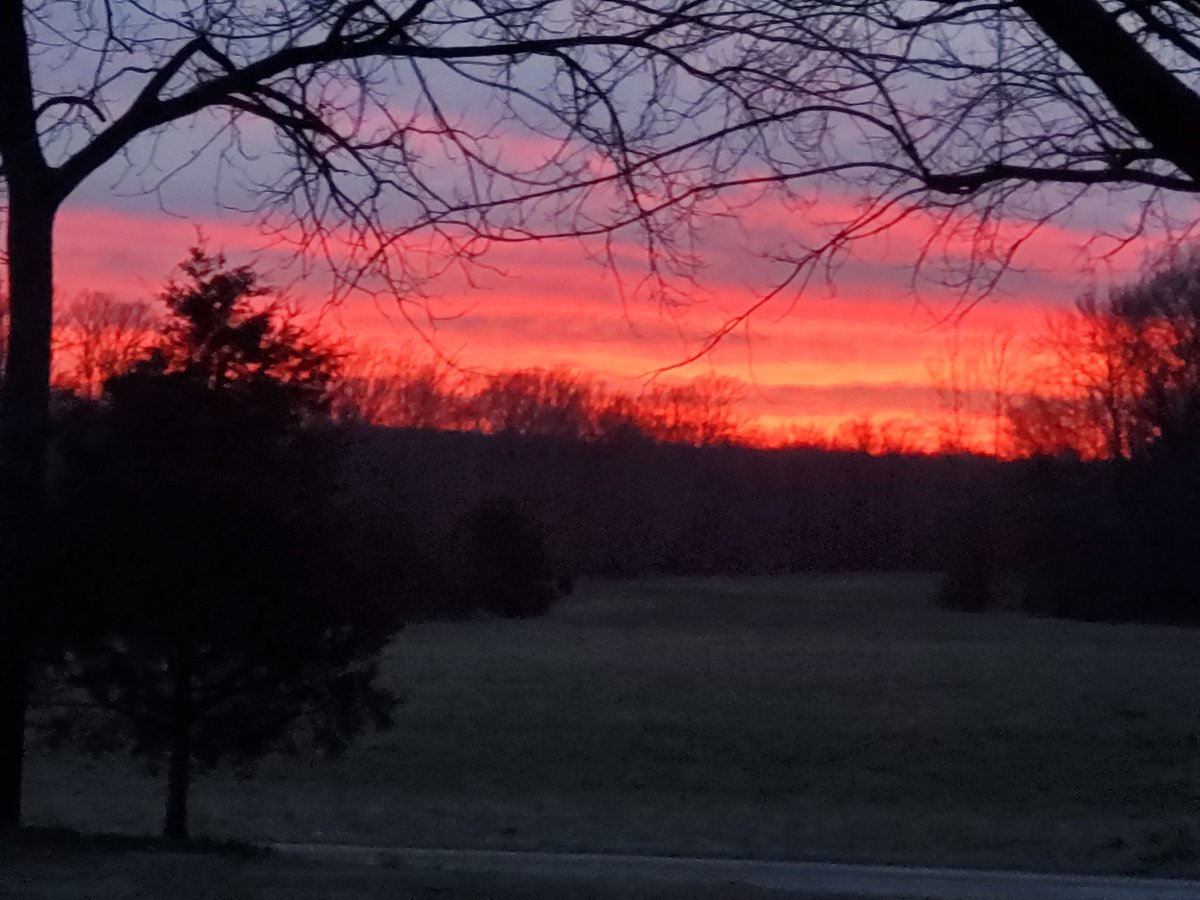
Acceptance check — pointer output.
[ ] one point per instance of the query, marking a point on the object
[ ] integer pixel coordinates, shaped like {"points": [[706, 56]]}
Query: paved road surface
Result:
{"points": [[800, 878]]}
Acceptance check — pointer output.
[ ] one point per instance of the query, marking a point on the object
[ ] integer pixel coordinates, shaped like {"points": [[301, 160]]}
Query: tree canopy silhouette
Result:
{"points": [[214, 606], [613, 120], [96, 337], [1120, 373], [1101, 523]]}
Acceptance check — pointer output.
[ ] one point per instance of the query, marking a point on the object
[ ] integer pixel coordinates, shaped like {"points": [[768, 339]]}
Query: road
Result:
{"points": [[799, 879]]}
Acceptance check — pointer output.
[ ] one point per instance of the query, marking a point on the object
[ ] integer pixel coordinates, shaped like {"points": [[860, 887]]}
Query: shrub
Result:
{"points": [[504, 562]]}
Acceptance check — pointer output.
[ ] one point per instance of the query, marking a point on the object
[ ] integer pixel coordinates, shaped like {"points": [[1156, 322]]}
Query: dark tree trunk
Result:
{"points": [[179, 769], [33, 196], [179, 781], [24, 423], [1155, 100]]}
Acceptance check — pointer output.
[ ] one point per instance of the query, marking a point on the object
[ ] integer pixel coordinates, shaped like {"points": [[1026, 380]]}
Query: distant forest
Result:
{"points": [[637, 506], [1083, 507]]}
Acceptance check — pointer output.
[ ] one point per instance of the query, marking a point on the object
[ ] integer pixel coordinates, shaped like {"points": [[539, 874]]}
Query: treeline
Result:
{"points": [[1102, 521], [1095, 518], [401, 389], [662, 481], [406, 388], [97, 337], [614, 483], [638, 507]]}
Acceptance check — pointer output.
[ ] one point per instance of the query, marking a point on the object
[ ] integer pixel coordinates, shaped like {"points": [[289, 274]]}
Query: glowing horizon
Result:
{"points": [[859, 349]]}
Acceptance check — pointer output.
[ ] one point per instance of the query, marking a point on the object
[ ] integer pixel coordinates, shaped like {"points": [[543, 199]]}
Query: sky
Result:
{"points": [[857, 344]]}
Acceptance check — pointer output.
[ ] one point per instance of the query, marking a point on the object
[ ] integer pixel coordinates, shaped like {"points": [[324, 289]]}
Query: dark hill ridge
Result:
{"points": [[639, 507]]}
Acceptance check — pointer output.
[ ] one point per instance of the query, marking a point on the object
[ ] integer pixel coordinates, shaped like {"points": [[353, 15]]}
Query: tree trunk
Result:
{"points": [[179, 770], [1155, 100], [24, 425]]}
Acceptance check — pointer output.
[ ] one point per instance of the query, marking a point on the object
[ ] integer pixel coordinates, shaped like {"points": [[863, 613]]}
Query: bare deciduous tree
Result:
{"points": [[974, 378], [953, 376], [1120, 372], [1000, 370], [546, 402], [1086, 386], [97, 337], [702, 411], [398, 388], [857, 435]]}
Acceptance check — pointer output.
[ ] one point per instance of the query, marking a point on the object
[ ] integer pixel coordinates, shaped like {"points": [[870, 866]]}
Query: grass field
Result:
{"points": [[828, 717]]}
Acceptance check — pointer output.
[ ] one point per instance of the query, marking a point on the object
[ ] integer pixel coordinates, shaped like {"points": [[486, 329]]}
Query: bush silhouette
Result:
{"points": [[505, 562]]}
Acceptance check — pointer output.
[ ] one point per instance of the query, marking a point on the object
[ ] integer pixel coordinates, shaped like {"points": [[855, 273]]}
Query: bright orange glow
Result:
{"points": [[855, 352]]}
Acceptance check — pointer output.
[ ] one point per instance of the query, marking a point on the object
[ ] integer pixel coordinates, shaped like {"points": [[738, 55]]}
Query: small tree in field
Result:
{"points": [[215, 614], [505, 566]]}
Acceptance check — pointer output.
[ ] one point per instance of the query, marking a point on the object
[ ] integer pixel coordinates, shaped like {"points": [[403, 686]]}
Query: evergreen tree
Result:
{"points": [[215, 614]]}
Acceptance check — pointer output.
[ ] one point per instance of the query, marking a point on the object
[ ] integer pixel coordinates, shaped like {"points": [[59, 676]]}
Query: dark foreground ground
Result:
{"points": [[837, 718], [41, 867], [57, 865]]}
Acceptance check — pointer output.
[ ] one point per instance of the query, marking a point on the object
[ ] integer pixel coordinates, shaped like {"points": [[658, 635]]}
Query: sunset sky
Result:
{"points": [[858, 346], [854, 345], [461, 142]]}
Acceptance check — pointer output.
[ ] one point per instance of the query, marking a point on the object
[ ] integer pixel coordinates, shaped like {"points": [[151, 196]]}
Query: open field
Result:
{"points": [[821, 717]]}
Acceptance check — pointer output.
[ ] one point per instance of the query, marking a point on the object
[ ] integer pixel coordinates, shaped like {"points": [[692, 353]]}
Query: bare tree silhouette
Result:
{"points": [[702, 411], [552, 403], [96, 337], [1121, 372], [398, 388]]}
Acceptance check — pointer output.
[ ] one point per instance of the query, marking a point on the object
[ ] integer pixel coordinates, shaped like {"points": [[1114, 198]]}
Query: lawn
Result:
{"points": [[808, 717]]}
